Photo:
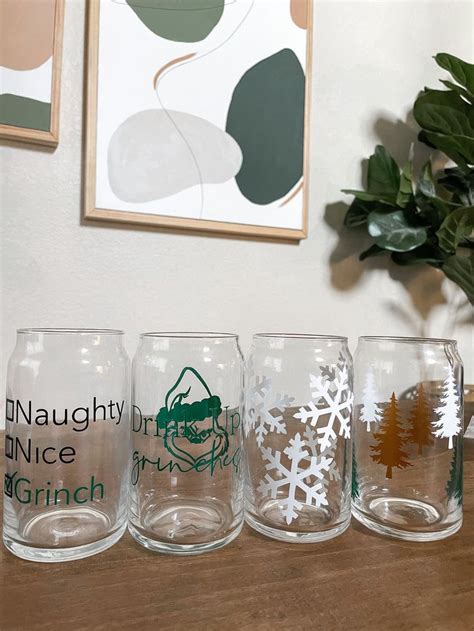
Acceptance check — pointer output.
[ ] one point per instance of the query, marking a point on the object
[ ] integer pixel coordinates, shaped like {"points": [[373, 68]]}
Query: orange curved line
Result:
{"points": [[168, 65], [293, 194]]}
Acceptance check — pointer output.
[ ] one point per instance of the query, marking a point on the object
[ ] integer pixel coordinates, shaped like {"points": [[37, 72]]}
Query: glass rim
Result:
{"points": [[405, 339], [300, 336], [189, 335], [68, 331]]}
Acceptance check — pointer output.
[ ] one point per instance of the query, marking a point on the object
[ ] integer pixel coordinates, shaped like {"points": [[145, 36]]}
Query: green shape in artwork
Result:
{"points": [[266, 118], [179, 20], [20, 111]]}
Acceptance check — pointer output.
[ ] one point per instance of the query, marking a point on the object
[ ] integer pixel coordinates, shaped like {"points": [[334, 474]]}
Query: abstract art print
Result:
{"points": [[30, 69], [197, 114]]}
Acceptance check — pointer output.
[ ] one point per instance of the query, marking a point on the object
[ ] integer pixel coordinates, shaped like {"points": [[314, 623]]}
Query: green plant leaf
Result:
{"points": [[405, 193], [460, 184], [392, 231], [369, 197], [383, 178], [425, 254], [460, 70], [457, 226], [358, 212], [460, 269], [432, 208], [458, 89], [426, 182], [374, 250], [432, 211], [444, 113], [458, 148], [422, 138]]}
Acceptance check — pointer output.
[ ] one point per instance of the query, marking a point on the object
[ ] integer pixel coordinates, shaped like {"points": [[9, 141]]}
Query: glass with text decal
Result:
{"points": [[407, 459], [186, 479], [67, 435], [297, 436]]}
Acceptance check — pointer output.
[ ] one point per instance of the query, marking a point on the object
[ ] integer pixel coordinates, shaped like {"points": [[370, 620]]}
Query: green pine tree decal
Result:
{"points": [[355, 477], [454, 486]]}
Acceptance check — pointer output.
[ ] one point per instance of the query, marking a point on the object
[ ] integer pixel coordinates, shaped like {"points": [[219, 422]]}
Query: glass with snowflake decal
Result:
{"points": [[186, 493], [297, 436], [407, 456]]}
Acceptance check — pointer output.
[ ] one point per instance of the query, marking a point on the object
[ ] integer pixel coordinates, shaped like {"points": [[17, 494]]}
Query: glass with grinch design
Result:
{"points": [[186, 479], [297, 437], [407, 456], [67, 436]]}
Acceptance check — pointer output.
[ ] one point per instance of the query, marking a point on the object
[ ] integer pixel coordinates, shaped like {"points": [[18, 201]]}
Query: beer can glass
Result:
{"points": [[408, 443], [67, 437], [297, 437], [186, 478]]}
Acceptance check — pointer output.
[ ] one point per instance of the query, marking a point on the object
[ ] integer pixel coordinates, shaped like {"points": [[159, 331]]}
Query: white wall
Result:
{"points": [[371, 59]]}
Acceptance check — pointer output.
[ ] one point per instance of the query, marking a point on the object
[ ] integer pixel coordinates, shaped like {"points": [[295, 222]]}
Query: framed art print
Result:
{"points": [[30, 70], [198, 114]]}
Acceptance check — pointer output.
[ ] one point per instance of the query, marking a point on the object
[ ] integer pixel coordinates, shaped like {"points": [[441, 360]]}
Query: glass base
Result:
{"points": [[183, 549], [185, 526], [58, 555], [402, 518], [296, 537]]}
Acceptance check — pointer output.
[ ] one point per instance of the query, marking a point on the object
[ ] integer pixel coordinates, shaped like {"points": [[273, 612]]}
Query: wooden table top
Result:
{"points": [[356, 581]]}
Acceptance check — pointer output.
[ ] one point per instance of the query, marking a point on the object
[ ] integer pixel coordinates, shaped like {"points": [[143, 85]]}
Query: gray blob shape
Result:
{"points": [[157, 153]]}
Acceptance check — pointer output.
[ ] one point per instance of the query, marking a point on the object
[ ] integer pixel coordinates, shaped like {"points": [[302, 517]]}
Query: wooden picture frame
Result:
{"points": [[48, 137], [94, 211]]}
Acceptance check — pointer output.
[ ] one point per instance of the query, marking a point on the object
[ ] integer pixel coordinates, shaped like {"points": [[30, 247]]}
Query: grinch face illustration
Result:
{"points": [[192, 433]]}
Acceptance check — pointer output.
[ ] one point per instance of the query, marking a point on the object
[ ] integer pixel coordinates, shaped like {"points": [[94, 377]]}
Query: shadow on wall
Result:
{"points": [[422, 284]]}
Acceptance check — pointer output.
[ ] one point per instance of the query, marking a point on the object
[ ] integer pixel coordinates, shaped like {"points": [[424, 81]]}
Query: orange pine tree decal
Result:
{"points": [[390, 439], [420, 421]]}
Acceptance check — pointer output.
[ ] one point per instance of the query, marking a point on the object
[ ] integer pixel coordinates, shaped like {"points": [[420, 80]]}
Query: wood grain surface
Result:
{"points": [[356, 581]]}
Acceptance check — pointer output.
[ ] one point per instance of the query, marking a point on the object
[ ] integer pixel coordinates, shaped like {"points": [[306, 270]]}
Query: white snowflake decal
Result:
{"points": [[265, 410], [308, 480], [311, 441], [333, 399]]}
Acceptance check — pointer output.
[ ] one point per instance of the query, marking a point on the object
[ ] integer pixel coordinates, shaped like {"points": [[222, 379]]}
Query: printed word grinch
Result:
{"points": [[21, 489]]}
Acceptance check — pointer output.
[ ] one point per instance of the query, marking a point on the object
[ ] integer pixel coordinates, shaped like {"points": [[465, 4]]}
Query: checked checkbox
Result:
{"points": [[8, 484]]}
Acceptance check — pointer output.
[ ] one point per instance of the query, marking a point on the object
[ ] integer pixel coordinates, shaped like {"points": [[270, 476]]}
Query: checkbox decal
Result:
{"points": [[9, 447], [8, 484], [10, 410]]}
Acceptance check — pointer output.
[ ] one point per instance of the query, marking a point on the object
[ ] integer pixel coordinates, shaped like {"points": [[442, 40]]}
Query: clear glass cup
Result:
{"points": [[297, 437], [186, 481], [67, 441], [407, 458]]}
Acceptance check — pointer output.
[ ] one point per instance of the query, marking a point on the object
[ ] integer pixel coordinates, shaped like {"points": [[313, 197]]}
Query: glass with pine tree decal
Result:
{"points": [[297, 437], [407, 447], [186, 481]]}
